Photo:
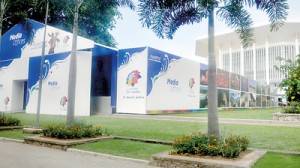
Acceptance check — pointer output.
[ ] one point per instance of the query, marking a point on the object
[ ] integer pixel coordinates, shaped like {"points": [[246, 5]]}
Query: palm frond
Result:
{"points": [[164, 17], [236, 17], [276, 10]]}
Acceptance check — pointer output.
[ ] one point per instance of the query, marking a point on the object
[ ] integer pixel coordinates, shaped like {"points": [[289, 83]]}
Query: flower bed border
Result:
{"points": [[167, 160], [2, 128], [60, 143], [286, 117]]}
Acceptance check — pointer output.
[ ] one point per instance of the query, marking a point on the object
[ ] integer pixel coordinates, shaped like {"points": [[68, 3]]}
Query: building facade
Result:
{"points": [[257, 62]]}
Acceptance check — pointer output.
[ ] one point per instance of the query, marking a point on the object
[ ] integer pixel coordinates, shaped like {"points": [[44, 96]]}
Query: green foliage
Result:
{"points": [[8, 121], [96, 17], [206, 145], [291, 83], [74, 131], [165, 17], [234, 145], [293, 108]]}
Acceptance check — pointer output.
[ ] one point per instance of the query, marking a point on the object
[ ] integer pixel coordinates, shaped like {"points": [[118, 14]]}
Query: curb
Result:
{"points": [[278, 151], [11, 140], [144, 140], [107, 156]]}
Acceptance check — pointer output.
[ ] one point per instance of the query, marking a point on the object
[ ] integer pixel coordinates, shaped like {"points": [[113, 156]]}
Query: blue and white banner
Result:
{"points": [[132, 81], [173, 82], [26, 40], [55, 84]]}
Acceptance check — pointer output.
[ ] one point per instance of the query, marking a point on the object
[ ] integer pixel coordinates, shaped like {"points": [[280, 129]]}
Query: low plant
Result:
{"points": [[74, 131], [205, 145], [8, 121], [293, 108]]}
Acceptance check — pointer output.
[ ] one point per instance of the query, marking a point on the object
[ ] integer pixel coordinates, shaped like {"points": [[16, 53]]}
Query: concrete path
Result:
{"points": [[19, 155], [204, 119]]}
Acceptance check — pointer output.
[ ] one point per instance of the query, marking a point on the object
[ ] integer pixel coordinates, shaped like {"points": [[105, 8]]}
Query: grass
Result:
{"points": [[264, 137], [14, 134], [278, 160], [260, 114], [124, 148]]}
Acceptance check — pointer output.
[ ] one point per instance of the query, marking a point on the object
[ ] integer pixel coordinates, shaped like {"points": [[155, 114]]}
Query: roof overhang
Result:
{"points": [[288, 33]]}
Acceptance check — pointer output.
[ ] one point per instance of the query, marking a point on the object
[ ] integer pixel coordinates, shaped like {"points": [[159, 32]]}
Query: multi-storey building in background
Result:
{"points": [[256, 62]]}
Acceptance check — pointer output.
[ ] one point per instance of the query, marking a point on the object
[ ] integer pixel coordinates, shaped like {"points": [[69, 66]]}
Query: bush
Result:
{"points": [[205, 145], [8, 121], [293, 107], [74, 131]]}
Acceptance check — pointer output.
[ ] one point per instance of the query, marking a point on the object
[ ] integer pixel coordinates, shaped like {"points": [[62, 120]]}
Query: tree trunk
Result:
{"points": [[213, 118], [38, 111], [3, 9], [72, 69]]}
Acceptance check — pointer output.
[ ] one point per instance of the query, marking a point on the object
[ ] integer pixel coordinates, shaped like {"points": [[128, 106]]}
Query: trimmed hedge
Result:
{"points": [[8, 121], [202, 144], [74, 131]]}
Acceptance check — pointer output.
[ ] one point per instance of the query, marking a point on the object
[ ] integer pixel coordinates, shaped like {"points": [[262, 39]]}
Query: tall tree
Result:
{"points": [[73, 60], [3, 9], [73, 66], [97, 17], [164, 17]]}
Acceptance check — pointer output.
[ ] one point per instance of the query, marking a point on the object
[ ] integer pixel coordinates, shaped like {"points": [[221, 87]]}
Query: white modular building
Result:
{"points": [[20, 61], [256, 62], [140, 80]]}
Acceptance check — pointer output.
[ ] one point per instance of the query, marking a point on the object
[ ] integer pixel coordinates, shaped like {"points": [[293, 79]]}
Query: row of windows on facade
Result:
{"points": [[283, 51]]}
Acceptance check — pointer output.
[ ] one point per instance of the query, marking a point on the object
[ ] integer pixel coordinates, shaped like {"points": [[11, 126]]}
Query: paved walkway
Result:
{"points": [[204, 119], [19, 155]]}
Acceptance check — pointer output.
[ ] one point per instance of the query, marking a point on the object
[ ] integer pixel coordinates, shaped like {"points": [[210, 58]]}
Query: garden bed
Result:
{"points": [[61, 144], [286, 117], [245, 160]]}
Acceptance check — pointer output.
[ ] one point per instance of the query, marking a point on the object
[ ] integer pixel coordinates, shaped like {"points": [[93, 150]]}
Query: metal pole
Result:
{"points": [[41, 70]]}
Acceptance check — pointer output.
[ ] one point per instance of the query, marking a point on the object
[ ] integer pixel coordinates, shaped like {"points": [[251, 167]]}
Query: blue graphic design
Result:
{"points": [[158, 65], [34, 70], [17, 38], [126, 54], [5, 64]]}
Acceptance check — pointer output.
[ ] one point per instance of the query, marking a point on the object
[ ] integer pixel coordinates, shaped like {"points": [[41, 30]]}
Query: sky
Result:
{"points": [[129, 32]]}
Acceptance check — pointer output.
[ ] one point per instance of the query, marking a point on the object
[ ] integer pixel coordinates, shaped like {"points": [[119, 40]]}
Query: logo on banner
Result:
{"points": [[191, 83], [17, 39], [192, 92], [133, 78]]}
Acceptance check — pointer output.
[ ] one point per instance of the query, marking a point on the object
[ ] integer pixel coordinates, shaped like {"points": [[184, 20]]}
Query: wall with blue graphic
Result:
{"points": [[173, 82]]}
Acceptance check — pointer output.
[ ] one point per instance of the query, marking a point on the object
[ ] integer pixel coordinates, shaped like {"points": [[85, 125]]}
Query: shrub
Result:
{"points": [[232, 147], [63, 131], [293, 107], [8, 121], [206, 145]]}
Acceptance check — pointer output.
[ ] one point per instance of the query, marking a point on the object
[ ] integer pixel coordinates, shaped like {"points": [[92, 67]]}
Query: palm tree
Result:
{"points": [[73, 58], [3, 8], [164, 17]]}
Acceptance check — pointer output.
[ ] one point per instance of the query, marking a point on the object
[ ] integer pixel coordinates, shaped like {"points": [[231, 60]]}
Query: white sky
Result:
{"points": [[129, 32]]}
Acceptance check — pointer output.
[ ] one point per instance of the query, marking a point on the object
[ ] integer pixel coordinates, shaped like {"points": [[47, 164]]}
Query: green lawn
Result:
{"points": [[14, 134], [264, 137], [278, 160], [261, 114], [124, 148]]}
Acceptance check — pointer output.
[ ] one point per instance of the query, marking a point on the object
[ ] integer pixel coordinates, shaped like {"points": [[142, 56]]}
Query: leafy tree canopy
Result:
{"points": [[96, 17], [291, 83]]}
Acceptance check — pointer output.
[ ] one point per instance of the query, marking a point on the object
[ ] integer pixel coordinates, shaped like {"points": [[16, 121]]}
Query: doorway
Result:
{"points": [[19, 93]]}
